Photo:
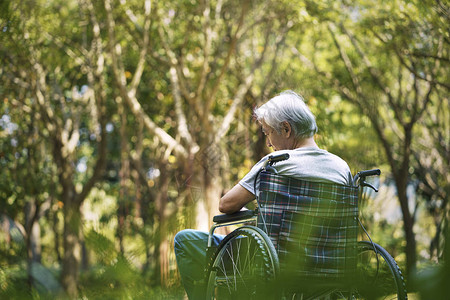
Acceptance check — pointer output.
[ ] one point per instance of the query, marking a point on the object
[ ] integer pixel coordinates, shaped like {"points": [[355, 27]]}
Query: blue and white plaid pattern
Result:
{"points": [[312, 225]]}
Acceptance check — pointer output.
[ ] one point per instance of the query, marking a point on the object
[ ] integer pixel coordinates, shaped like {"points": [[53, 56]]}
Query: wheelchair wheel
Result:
{"points": [[379, 276], [243, 267]]}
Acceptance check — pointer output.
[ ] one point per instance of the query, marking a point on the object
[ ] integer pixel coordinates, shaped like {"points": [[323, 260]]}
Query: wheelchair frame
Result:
{"points": [[379, 276]]}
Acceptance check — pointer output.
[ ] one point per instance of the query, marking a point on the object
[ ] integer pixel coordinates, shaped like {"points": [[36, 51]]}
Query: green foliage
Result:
{"points": [[115, 277], [299, 40], [12, 282]]}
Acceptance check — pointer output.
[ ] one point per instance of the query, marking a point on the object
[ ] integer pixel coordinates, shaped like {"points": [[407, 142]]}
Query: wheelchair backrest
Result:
{"points": [[312, 225]]}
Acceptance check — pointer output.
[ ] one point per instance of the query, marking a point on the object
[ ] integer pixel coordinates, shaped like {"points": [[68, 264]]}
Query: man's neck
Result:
{"points": [[305, 143]]}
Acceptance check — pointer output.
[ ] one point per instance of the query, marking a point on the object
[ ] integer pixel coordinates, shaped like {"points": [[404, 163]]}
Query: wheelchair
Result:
{"points": [[300, 243]]}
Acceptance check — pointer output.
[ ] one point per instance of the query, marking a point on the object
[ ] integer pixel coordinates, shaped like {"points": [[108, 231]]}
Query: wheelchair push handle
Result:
{"points": [[273, 159], [366, 173], [276, 158], [361, 176]]}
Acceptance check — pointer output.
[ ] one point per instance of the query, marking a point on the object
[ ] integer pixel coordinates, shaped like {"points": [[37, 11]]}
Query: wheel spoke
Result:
{"points": [[240, 271], [378, 273]]}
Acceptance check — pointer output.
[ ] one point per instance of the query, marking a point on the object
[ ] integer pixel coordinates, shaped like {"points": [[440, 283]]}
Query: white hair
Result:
{"points": [[289, 107]]}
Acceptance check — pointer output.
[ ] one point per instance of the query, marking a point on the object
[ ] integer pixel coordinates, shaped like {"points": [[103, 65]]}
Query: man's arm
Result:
{"points": [[235, 199]]}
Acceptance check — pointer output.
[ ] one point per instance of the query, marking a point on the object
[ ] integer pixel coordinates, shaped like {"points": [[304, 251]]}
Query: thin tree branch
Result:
{"points": [[178, 88], [176, 63], [410, 68], [346, 60], [240, 94], [144, 49], [207, 31], [374, 75], [182, 124], [132, 102], [346, 93], [96, 98], [222, 72]]}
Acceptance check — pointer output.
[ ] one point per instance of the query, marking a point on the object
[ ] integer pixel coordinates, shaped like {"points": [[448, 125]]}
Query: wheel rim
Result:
{"points": [[378, 275], [242, 268]]}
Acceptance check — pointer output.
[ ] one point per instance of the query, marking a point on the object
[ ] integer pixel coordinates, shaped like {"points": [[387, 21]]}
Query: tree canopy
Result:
{"points": [[123, 122]]}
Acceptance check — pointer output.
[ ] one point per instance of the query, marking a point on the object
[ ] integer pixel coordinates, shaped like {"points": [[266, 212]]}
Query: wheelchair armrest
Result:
{"points": [[237, 216]]}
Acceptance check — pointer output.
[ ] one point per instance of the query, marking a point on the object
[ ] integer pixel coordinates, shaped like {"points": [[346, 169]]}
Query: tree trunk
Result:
{"points": [[161, 255], [210, 160], [56, 233], [164, 260], [408, 224], [137, 163], [5, 225], [32, 239], [124, 176], [72, 248], [213, 192]]}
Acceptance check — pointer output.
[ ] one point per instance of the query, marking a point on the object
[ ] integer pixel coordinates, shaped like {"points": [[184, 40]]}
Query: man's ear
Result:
{"points": [[287, 129]]}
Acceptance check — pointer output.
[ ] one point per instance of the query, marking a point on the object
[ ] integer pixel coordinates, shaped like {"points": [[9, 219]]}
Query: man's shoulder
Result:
{"points": [[315, 152]]}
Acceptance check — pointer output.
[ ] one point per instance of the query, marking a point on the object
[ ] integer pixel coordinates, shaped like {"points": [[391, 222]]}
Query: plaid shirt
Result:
{"points": [[312, 225]]}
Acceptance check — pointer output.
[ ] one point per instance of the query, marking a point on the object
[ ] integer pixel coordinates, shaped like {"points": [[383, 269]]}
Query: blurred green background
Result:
{"points": [[123, 122]]}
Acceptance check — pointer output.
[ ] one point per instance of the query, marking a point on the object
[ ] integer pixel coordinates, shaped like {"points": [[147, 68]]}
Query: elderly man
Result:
{"points": [[289, 127]]}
